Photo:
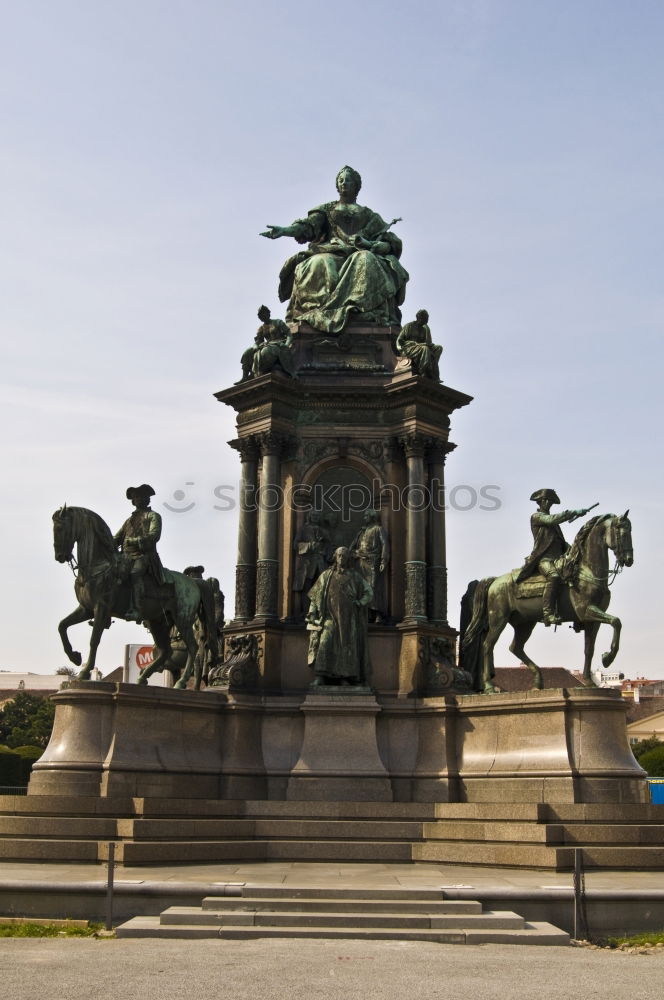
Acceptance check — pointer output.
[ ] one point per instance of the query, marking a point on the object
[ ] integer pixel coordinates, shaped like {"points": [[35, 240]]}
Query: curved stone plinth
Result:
{"points": [[126, 739], [566, 745], [555, 746]]}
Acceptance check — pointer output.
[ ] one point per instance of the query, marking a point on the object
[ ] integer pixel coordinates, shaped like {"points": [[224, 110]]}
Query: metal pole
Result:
{"points": [[109, 886], [580, 922]]}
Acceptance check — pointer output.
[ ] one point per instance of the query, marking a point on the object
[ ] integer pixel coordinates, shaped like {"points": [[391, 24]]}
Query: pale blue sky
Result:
{"points": [[146, 144]]}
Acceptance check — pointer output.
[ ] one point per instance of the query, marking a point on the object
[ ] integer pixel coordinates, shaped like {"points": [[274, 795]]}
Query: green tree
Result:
{"points": [[652, 762], [643, 746], [28, 719]]}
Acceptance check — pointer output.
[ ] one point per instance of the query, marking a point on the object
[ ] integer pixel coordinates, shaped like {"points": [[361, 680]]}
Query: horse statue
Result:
{"points": [[498, 601], [103, 590]]}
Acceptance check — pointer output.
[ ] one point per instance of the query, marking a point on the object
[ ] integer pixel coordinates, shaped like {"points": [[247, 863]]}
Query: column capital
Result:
{"points": [[276, 443], [248, 447], [414, 444], [437, 450]]}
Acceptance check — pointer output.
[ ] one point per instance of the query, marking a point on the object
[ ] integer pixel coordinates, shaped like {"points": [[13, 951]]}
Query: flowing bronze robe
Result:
{"points": [[339, 625], [332, 278]]}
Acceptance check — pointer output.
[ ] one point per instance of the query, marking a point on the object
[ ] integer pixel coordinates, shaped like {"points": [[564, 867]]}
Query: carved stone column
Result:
{"points": [[416, 518], [245, 571], [269, 510], [436, 556]]}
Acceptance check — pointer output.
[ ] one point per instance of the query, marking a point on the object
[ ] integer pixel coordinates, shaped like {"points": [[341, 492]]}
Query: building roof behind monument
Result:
{"points": [[115, 675], [637, 711]]}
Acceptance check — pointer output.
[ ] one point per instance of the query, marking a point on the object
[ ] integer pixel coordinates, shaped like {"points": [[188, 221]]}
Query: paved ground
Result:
{"points": [[334, 873], [330, 970]]}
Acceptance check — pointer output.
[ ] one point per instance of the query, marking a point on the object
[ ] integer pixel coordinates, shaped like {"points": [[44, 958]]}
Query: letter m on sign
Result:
{"points": [[144, 656]]}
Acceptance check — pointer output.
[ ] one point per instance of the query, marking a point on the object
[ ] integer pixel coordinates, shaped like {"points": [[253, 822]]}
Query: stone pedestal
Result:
{"points": [[352, 432], [127, 740], [539, 746], [339, 759], [340, 744]]}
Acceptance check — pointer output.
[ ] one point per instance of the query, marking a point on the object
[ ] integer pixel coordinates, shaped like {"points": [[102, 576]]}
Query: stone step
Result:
{"points": [[488, 811], [556, 834], [140, 807], [27, 849], [253, 917], [281, 809], [59, 827], [532, 856], [601, 812], [66, 805], [623, 857], [341, 905], [303, 893], [186, 829], [501, 831], [539, 933], [337, 829], [578, 834], [273, 829], [338, 850], [164, 852], [480, 853], [587, 834], [424, 811]]}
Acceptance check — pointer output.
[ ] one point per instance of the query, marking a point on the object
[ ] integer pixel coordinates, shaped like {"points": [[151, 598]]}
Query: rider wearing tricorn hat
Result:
{"points": [[549, 545], [138, 539]]}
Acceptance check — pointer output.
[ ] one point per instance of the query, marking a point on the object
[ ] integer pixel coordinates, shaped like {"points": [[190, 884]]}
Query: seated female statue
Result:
{"points": [[351, 265]]}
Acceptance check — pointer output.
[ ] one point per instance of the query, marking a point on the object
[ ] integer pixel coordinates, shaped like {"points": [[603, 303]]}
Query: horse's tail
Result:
{"points": [[207, 616], [474, 626], [479, 622]]}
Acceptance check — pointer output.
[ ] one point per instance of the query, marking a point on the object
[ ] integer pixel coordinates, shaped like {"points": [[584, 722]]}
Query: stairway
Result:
{"points": [[361, 914], [160, 831]]}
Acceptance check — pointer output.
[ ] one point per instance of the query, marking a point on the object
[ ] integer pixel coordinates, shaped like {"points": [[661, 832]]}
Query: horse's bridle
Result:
{"points": [[63, 522], [616, 540]]}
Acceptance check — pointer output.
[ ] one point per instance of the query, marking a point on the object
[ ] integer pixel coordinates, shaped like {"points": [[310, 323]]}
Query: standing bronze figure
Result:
{"points": [[311, 557], [371, 549], [338, 622]]}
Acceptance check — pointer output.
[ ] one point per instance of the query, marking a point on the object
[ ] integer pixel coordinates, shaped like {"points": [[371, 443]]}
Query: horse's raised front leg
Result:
{"points": [[595, 614], [589, 636], [522, 634], [81, 614]]}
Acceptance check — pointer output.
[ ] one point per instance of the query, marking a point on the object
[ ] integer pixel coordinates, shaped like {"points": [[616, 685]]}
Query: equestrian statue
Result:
{"points": [[557, 583], [121, 576]]}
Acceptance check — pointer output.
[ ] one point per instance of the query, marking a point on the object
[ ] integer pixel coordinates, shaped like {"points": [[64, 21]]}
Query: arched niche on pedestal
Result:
{"points": [[341, 490]]}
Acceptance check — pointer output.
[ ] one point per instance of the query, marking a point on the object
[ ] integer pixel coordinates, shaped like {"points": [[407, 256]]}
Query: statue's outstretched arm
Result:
{"points": [[275, 232], [302, 230]]}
